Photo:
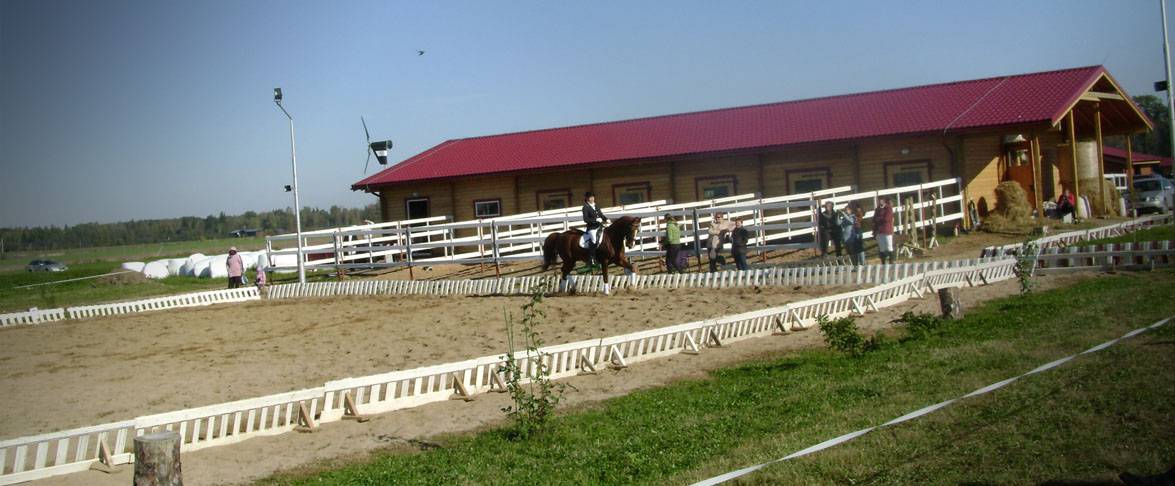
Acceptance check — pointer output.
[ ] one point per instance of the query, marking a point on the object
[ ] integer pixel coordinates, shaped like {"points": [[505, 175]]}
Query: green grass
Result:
{"points": [[90, 291], [175, 249], [1154, 233], [1100, 415]]}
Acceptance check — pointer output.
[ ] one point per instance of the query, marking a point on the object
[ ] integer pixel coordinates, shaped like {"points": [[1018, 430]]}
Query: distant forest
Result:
{"points": [[188, 228]]}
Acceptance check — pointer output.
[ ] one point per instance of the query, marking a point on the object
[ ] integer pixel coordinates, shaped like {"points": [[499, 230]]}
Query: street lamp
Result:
{"points": [[277, 99]]}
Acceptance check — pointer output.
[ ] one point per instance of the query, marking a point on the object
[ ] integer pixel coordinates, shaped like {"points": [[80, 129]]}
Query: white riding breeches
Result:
{"points": [[589, 237]]}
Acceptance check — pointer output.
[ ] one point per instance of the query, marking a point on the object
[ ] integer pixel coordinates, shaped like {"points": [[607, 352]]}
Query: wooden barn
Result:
{"points": [[984, 131]]}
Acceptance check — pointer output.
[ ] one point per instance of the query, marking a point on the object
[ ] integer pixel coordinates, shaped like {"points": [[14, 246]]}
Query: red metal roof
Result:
{"points": [[1138, 156], [1023, 98]]}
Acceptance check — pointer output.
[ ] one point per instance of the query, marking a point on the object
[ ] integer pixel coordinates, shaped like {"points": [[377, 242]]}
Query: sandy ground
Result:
{"points": [[341, 442], [77, 373]]}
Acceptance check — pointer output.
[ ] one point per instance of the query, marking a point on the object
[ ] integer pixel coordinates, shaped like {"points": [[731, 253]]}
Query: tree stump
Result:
{"points": [[157, 460], [950, 303]]}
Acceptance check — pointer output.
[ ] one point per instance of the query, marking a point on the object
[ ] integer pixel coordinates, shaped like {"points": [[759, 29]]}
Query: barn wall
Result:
{"points": [[878, 156], [780, 167], [483, 188], [656, 175], [392, 199], [576, 182], [981, 154], [688, 174]]}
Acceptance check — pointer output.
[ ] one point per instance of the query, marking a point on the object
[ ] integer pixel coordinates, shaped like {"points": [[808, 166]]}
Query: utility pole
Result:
{"points": [[1167, 65]]}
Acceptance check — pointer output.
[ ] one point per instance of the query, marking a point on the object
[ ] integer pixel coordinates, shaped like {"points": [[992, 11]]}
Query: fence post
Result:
{"points": [[408, 250], [494, 249], [338, 241], [697, 241]]}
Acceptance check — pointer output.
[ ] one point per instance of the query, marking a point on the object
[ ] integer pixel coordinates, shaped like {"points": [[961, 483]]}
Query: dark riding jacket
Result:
{"points": [[594, 218]]}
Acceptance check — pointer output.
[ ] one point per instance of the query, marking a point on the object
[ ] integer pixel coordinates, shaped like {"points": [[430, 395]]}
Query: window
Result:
{"points": [[808, 180], [416, 207], [556, 199], [625, 194], [716, 187], [488, 208], [899, 174]]}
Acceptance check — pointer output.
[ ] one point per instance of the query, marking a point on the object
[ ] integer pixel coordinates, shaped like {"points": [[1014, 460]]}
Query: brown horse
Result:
{"points": [[616, 237]]}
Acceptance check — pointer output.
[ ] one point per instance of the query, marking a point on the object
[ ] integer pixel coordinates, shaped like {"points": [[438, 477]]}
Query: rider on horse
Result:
{"points": [[595, 219]]}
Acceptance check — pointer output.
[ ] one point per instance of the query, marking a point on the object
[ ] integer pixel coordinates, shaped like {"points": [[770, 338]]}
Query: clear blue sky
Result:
{"points": [[116, 110]]}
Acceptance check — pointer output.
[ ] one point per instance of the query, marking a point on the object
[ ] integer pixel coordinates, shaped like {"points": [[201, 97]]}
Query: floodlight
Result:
{"points": [[277, 95]]}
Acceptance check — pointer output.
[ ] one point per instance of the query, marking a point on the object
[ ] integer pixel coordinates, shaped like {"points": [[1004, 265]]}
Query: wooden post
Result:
{"points": [[1037, 171], [697, 241], [408, 250], [1073, 155], [494, 249], [1129, 165], [157, 460], [1101, 162], [950, 303]]}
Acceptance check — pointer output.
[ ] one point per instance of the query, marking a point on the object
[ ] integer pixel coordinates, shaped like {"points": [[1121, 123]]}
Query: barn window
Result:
{"points": [[716, 187], [416, 207], [556, 199], [488, 208], [900, 174], [625, 194], [808, 180]]}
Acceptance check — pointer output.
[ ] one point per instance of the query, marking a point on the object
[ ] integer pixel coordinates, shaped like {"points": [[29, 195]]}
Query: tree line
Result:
{"points": [[1154, 142], [187, 228]]}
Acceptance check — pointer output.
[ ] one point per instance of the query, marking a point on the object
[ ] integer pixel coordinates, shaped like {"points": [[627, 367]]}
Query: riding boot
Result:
{"points": [[591, 254]]}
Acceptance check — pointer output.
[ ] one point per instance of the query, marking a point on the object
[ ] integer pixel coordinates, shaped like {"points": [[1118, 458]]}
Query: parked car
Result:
{"points": [[46, 266], [1153, 193]]}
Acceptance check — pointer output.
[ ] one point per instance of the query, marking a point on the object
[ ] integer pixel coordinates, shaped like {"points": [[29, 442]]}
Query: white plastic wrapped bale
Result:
{"points": [[248, 259], [174, 264], [201, 269], [188, 269], [134, 266], [290, 262], [156, 269], [217, 268]]}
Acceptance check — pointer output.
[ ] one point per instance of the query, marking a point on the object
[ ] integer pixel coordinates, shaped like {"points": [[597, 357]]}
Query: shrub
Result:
{"points": [[1026, 265], [842, 335], [920, 325], [533, 401]]}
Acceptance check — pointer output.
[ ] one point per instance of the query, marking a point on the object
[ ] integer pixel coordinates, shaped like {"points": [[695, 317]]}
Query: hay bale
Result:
{"points": [[1109, 207], [1012, 203]]}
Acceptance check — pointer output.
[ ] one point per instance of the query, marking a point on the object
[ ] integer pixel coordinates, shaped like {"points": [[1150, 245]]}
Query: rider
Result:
{"points": [[595, 219]]}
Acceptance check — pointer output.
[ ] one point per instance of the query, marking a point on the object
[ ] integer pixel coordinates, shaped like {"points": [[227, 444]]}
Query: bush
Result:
{"points": [[842, 335], [921, 325], [533, 395]]}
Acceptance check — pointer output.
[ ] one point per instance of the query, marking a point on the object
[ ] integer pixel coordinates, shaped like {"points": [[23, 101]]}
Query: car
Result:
{"points": [[1153, 193], [46, 266]]}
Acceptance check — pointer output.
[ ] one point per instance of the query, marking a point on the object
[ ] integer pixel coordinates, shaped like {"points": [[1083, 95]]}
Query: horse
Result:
{"points": [[616, 237]]}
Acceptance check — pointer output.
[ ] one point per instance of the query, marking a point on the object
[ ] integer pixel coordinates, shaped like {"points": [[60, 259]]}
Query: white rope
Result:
{"points": [[925, 410]]}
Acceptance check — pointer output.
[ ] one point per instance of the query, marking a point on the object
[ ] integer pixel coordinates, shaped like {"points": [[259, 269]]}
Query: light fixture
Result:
{"points": [[904, 151], [288, 188], [277, 95]]}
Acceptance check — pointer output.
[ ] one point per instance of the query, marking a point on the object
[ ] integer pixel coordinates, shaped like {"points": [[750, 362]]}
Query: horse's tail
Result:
{"points": [[550, 250]]}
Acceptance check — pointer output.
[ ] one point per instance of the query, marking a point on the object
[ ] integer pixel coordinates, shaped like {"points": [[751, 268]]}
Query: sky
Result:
{"points": [[120, 110]]}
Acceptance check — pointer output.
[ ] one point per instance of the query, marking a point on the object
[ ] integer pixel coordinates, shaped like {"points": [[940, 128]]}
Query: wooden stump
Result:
{"points": [[157, 460], [950, 303]]}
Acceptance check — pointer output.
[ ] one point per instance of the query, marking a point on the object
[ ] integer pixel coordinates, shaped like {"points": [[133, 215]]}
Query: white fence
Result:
{"points": [[194, 299], [1072, 237], [775, 223], [45, 455], [1106, 256]]}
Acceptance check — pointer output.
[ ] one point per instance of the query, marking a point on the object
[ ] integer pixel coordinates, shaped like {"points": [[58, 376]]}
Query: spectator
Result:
{"points": [[672, 244], [850, 230], [739, 237], [1066, 204], [858, 248], [236, 268], [719, 230], [829, 231], [883, 229], [262, 281]]}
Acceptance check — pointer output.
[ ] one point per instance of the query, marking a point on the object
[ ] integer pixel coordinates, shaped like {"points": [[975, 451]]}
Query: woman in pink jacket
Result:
{"points": [[236, 268]]}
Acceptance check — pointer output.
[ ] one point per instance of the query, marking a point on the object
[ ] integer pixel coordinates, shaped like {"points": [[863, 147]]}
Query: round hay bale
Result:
{"points": [[156, 269], [1108, 207], [1012, 203]]}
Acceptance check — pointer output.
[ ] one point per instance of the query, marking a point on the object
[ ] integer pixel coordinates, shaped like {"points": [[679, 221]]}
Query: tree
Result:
{"points": [[1157, 141]]}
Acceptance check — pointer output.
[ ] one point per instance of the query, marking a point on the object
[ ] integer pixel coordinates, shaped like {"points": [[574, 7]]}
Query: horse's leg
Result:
{"points": [[604, 268], [568, 266], [629, 270]]}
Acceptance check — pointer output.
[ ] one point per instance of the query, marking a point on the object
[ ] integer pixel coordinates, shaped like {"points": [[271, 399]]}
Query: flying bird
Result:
{"points": [[419, 53]]}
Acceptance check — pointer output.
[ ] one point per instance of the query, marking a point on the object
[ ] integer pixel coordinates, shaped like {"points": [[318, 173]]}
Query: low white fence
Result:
{"points": [[1077, 236], [194, 299], [33, 316], [774, 223], [1108, 255], [45, 455], [762, 277]]}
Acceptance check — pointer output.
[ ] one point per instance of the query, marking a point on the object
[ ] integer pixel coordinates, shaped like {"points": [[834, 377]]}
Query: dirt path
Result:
{"points": [[340, 442], [77, 373]]}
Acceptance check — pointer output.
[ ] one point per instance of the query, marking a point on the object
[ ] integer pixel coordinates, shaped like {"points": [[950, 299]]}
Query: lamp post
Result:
{"points": [[1167, 65], [277, 99]]}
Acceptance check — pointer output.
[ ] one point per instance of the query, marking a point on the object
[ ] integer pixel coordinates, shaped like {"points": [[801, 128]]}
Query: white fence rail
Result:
{"points": [[194, 299], [1077, 236], [774, 223], [45, 455]]}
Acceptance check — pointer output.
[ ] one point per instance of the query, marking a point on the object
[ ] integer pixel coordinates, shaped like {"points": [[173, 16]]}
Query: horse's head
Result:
{"points": [[630, 236]]}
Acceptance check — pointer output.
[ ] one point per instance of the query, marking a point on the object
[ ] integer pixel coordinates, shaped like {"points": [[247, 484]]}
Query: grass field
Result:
{"points": [[1095, 417], [174, 249]]}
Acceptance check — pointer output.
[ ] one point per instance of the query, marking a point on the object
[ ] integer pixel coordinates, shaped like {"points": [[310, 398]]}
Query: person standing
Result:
{"points": [[595, 219], [858, 247], [847, 221], [262, 281], [828, 230], [739, 237], [883, 229], [719, 229], [236, 268], [672, 244]]}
